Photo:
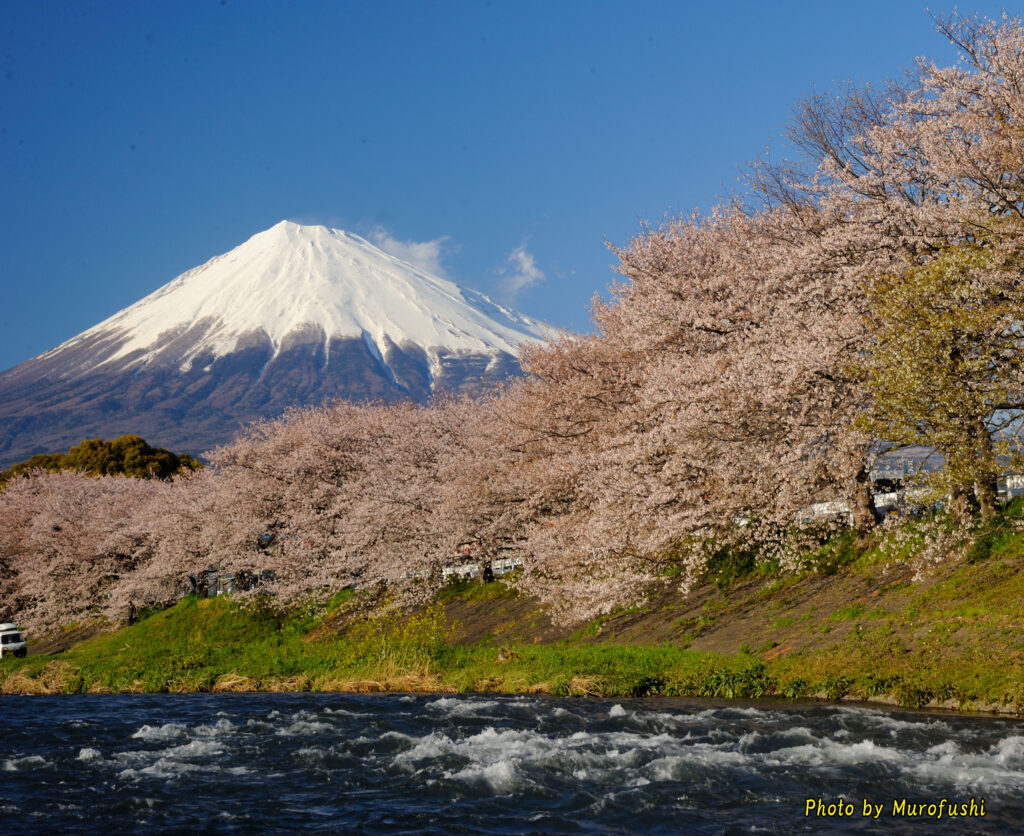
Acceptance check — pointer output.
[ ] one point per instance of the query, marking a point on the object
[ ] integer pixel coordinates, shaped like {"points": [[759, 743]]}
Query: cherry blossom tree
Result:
{"points": [[68, 539], [920, 181]]}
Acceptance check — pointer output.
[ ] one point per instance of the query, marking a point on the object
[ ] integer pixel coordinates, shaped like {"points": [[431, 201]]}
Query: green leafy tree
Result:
{"points": [[128, 455], [944, 367]]}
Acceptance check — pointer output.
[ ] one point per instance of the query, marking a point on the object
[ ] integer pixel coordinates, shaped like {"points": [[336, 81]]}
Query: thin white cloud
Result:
{"points": [[520, 271], [423, 254]]}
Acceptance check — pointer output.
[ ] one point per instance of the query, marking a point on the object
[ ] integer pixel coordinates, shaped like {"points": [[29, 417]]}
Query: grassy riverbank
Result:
{"points": [[858, 624], [215, 645]]}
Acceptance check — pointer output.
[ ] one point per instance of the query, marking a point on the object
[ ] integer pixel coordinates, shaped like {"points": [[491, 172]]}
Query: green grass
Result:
{"points": [[610, 670], [200, 645], [848, 612], [475, 591], [191, 645]]}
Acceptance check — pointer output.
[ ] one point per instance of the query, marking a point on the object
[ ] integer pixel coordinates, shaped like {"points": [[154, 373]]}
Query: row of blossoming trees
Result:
{"points": [[743, 369]]}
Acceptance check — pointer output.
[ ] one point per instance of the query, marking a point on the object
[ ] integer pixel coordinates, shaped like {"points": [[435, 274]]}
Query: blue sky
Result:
{"points": [[504, 142]]}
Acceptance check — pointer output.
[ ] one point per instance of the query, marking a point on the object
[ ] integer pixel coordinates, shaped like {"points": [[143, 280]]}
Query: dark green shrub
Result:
{"points": [[836, 686]]}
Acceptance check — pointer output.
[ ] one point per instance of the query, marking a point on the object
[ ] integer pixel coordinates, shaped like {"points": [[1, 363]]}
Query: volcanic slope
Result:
{"points": [[294, 316]]}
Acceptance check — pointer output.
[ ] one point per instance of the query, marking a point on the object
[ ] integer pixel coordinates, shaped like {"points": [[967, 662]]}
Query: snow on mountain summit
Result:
{"points": [[292, 278]]}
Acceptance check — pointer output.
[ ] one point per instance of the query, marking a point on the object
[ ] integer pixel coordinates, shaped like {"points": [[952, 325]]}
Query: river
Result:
{"points": [[239, 763]]}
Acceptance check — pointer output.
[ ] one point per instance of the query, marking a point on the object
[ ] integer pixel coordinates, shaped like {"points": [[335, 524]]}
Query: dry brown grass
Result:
{"points": [[234, 683], [410, 683], [351, 686], [584, 686], [285, 684], [18, 683], [53, 678]]}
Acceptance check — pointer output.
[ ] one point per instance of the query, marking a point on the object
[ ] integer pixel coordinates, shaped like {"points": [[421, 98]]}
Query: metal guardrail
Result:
{"points": [[506, 566], [470, 571], [464, 572]]}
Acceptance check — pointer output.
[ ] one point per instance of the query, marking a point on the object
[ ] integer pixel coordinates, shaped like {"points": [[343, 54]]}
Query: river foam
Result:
{"points": [[398, 763]]}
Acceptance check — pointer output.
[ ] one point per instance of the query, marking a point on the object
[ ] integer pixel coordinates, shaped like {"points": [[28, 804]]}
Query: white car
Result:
{"points": [[12, 642]]}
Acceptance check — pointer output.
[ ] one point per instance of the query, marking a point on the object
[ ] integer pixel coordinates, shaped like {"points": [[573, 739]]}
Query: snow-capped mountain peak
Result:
{"points": [[292, 278], [292, 317]]}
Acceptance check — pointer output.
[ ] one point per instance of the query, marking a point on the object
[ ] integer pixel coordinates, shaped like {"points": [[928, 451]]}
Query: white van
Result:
{"points": [[12, 642]]}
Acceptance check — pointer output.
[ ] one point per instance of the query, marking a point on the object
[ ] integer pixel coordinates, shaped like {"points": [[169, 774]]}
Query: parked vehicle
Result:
{"points": [[12, 642]]}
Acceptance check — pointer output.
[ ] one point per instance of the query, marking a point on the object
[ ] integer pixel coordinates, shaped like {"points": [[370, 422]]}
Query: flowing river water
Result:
{"points": [[495, 764]]}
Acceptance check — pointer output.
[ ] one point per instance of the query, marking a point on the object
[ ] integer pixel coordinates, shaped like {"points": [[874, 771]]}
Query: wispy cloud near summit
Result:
{"points": [[520, 271], [423, 254]]}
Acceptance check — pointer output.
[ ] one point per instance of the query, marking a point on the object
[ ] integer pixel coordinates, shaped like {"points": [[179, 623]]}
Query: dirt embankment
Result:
{"points": [[795, 613], [61, 640], [753, 610], [951, 611], [501, 620]]}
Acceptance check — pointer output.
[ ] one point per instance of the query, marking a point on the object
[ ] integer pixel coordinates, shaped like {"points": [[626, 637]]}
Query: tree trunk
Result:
{"points": [[961, 504], [862, 505], [985, 485], [986, 499]]}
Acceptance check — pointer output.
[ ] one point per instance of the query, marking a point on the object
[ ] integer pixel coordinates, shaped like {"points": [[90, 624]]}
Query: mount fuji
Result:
{"points": [[294, 316]]}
